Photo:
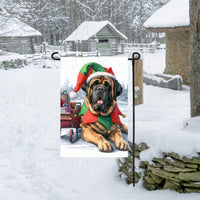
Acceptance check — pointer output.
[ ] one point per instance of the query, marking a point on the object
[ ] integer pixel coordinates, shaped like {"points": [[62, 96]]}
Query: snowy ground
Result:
{"points": [[162, 121], [30, 166], [154, 62]]}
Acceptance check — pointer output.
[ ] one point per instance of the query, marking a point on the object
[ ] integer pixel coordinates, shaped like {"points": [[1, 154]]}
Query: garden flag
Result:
{"points": [[94, 106]]}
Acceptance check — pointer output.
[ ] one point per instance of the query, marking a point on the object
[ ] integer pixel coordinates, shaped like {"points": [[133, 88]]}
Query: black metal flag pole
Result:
{"points": [[135, 56], [55, 58]]}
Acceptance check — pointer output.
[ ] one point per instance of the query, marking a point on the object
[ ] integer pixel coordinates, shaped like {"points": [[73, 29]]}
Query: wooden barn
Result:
{"points": [[15, 35], [96, 36], [173, 19]]}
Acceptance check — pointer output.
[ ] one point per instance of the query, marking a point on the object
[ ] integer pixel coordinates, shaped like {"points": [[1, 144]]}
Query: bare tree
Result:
{"points": [[195, 57], [58, 19]]}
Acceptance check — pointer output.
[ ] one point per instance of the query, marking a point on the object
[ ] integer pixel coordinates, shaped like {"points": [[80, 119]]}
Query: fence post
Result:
{"points": [[44, 47], [122, 48], [65, 46]]}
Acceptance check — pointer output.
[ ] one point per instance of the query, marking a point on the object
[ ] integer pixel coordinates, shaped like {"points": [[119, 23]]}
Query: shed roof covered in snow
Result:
{"points": [[89, 29], [12, 27], [174, 15]]}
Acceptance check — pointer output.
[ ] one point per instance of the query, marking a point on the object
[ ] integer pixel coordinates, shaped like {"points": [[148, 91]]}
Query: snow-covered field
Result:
{"points": [[30, 166], [164, 123]]}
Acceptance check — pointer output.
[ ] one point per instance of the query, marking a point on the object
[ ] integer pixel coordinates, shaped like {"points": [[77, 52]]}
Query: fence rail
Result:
{"points": [[45, 48], [130, 47]]}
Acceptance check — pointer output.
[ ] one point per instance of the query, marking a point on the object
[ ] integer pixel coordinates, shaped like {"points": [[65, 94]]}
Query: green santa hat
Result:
{"points": [[89, 71]]}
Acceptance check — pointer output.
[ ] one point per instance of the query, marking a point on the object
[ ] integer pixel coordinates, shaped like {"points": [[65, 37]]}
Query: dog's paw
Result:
{"points": [[105, 146], [124, 128], [121, 144]]}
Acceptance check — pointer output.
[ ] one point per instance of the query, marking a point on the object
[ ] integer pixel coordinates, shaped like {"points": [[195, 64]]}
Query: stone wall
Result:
{"points": [[126, 164], [172, 172], [177, 54]]}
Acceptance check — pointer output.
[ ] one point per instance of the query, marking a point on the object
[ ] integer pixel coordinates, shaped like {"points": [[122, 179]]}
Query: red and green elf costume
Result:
{"points": [[87, 72], [107, 121]]}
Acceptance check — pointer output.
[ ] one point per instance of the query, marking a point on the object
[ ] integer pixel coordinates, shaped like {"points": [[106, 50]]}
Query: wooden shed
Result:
{"points": [[15, 35], [99, 36], [173, 19]]}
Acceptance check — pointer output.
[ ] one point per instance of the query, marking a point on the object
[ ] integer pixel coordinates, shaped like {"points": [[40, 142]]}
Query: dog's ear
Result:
{"points": [[117, 89], [85, 87]]}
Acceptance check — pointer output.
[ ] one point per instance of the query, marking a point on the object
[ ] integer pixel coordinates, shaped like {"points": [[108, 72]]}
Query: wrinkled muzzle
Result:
{"points": [[100, 98]]}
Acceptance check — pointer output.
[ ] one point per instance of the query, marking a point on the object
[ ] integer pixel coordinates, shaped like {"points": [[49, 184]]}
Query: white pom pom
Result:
{"points": [[72, 94]]}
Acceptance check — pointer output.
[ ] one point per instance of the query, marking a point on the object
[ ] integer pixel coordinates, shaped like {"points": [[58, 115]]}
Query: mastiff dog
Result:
{"points": [[100, 113]]}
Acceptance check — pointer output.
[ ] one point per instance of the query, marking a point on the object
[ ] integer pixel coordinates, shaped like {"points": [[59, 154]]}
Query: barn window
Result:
{"points": [[101, 41]]}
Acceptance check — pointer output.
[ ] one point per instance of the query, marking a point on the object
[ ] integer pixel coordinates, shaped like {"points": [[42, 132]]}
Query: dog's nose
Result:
{"points": [[100, 88]]}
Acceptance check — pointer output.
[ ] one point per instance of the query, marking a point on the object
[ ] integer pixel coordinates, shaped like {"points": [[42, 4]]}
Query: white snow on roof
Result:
{"points": [[12, 27], [174, 14], [89, 28]]}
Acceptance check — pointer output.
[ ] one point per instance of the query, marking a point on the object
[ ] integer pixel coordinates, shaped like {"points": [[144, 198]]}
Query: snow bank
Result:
{"points": [[163, 123], [173, 14], [192, 126], [9, 56]]}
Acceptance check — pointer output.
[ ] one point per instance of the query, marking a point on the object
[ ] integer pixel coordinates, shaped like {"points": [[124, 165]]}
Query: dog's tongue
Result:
{"points": [[100, 102]]}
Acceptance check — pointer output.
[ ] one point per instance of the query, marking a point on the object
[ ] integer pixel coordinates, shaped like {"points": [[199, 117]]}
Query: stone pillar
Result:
{"points": [[177, 54]]}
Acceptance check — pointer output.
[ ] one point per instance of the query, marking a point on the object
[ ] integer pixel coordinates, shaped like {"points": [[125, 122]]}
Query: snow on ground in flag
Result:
{"points": [[30, 166]]}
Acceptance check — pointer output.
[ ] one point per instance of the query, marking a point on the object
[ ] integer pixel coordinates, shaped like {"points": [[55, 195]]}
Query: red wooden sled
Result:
{"points": [[70, 121]]}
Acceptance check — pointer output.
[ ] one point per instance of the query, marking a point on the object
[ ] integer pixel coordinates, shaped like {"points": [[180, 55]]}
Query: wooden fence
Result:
{"points": [[130, 47], [45, 48], [123, 48]]}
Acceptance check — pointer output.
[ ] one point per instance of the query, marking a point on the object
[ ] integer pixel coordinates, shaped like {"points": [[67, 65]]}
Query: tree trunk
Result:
{"points": [[195, 57]]}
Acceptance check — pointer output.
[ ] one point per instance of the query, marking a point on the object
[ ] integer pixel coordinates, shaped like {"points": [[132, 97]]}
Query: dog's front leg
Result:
{"points": [[89, 135], [117, 138]]}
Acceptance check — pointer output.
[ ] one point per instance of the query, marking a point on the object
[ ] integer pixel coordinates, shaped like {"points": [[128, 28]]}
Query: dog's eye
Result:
{"points": [[95, 83], [106, 84]]}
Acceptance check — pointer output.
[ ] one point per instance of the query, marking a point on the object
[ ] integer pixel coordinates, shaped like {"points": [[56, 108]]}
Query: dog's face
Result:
{"points": [[101, 92]]}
